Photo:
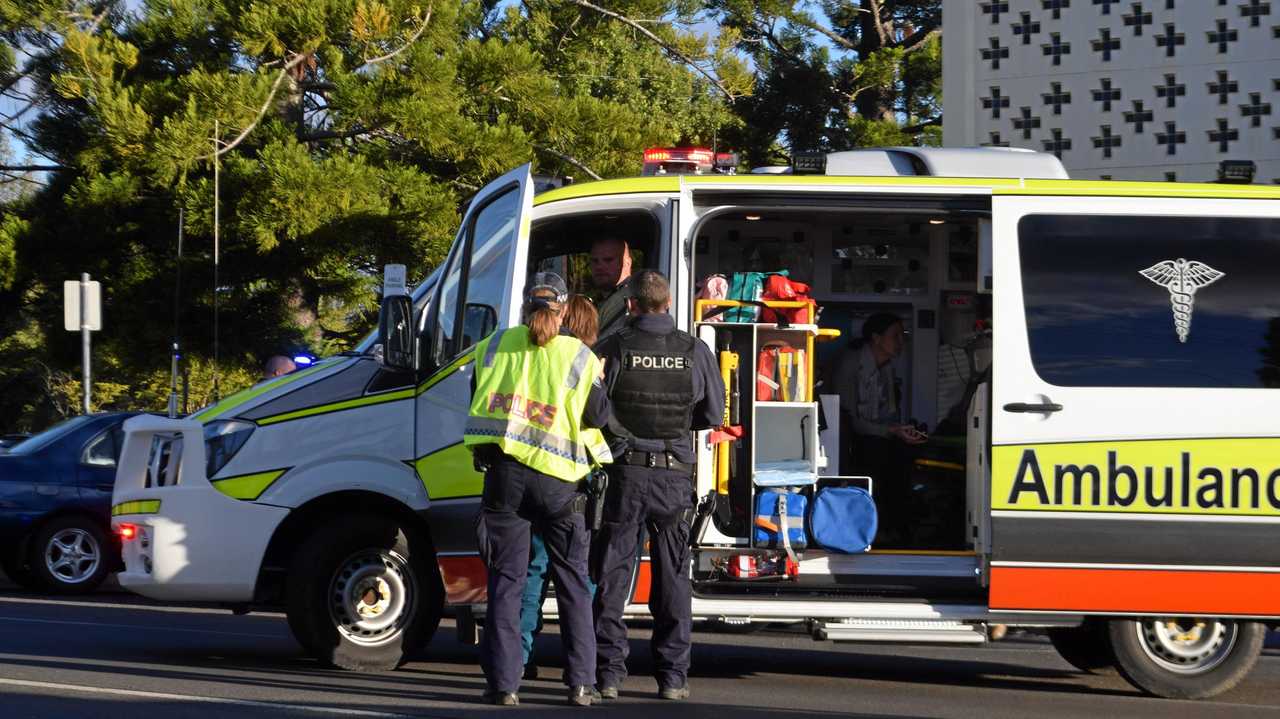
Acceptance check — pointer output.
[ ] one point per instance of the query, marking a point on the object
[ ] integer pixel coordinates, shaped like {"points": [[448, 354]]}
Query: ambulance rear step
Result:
{"points": [[932, 631]]}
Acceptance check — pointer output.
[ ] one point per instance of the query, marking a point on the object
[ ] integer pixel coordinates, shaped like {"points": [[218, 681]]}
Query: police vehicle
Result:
{"points": [[1103, 459]]}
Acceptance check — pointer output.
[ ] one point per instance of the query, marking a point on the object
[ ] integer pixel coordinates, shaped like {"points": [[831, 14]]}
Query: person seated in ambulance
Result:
{"points": [[875, 440], [610, 260]]}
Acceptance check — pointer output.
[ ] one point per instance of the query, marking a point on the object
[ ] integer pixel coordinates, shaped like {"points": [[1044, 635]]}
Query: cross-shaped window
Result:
{"points": [[1171, 138], [1170, 177], [995, 140], [1056, 48], [1106, 141], [1106, 94], [1171, 90], [1056, 97], [1255, 109], [995, 102], [1170, 40], [1254, 10], [995, 53], [1026, 122], [1058, 144], [1224, 135], [1138, 116], [1106, 5], [1222, 36], [1105, 44], [1025, 28], [1137, 19], [1056, 6], [1223, 87], [994, 9]]}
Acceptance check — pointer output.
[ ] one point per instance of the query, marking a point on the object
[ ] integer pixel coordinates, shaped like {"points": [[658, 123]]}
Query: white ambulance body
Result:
{"points": [[1113, 473]]}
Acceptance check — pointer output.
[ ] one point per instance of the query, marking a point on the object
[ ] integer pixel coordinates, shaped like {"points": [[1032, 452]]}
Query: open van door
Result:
{"points": [[477, 292], [1136, 455]]}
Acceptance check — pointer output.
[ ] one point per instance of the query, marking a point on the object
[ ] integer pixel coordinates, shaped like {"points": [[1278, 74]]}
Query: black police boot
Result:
{"points": [[530, 671]]}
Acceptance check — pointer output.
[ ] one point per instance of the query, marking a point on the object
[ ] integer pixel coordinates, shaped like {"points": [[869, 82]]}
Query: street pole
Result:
{"points": [[84, 339]]}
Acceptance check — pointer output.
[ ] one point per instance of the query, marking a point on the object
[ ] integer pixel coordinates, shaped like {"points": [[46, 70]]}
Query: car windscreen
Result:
{"points": [[51, 435]]}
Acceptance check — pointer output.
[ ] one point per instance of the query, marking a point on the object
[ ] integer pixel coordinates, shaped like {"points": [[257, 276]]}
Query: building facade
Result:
{"points": [[1118, 89]]}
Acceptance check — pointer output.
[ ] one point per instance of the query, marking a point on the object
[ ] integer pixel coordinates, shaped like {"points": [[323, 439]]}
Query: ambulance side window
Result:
{"points": [[484, 249]]}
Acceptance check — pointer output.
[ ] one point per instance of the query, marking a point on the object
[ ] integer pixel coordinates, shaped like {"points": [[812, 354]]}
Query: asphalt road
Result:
{"points": [[116, 655]]}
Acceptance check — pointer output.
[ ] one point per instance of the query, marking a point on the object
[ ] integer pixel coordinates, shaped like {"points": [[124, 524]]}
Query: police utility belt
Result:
{"points": [[655, 460]]}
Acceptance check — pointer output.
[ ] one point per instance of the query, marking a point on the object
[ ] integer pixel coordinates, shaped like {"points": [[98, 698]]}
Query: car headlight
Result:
{"points": [[222, 439]]}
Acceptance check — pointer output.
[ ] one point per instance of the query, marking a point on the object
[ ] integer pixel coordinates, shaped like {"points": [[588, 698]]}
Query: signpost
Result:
{"points": [[82, 310]]}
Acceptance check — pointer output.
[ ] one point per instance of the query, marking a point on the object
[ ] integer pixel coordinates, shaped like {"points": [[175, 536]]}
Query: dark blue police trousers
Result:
{"points": [[515, 499]]}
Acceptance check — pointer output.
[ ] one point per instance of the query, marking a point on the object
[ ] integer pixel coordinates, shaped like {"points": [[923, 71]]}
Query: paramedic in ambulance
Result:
{"points": [[662, 384], [611, 273], [537, 395], [874, 436]]}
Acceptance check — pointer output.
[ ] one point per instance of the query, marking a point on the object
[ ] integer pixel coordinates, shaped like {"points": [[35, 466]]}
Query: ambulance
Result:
{"points": [[1094, 364]]}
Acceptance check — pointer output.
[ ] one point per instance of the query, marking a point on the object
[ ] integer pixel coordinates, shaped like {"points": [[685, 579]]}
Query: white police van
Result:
{"points": [[1113, 475]]}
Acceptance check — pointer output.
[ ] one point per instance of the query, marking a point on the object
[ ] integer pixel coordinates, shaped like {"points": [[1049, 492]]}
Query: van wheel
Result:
{"points": [[1185, 657], [364, 592], [69, 556], [1086, 647]]}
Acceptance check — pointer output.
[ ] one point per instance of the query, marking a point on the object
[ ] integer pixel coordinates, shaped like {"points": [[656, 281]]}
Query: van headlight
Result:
{"points": [[222, 439]]}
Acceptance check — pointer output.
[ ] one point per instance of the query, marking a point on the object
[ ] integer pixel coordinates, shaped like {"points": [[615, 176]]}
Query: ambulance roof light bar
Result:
{"points": [[926, 161], [688, 161]]}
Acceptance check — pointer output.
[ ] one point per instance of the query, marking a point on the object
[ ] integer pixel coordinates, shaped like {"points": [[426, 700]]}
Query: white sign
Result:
{"points": [[393, 281], [71, 305]]}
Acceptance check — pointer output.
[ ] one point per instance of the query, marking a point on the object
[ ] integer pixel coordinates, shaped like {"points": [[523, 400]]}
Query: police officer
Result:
{"points": [[662, 383], [537, 394]]}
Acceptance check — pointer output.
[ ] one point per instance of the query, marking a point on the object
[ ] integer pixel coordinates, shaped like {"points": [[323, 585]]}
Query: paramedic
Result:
{"points": [[611, 273], [662, 384], [580, 320], [537, 392], [875, 437]]}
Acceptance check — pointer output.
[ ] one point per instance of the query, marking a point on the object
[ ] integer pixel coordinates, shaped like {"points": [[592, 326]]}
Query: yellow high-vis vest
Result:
{"points": [[529, 402]]}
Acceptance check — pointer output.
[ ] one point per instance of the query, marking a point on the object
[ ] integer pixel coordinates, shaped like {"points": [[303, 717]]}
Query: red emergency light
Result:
{"points": [[127, 531], [687, 160]]}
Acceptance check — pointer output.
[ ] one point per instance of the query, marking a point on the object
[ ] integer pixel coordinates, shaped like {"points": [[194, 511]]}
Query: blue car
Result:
{"points": [[55, 505]]}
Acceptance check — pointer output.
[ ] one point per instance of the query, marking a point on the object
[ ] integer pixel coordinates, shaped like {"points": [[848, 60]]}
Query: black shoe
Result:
{"points": [[581, 696], [502, 699], [674, 693], [530, 671]]}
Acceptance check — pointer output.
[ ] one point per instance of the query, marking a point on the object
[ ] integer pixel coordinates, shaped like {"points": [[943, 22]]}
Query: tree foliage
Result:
{"points": [[837, 74]]}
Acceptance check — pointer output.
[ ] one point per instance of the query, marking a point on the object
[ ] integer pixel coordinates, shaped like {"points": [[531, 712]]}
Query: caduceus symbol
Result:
{"points": [[1182, 278]]}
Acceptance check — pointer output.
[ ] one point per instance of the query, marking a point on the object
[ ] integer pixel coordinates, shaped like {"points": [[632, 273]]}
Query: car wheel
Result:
{"points": [[1086, 647], [69, 555], [1185, 657], [364, 592], [15, 568]]}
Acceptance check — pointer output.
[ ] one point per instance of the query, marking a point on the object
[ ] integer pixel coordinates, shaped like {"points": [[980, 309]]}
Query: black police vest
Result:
{"points": [[652, 395]]}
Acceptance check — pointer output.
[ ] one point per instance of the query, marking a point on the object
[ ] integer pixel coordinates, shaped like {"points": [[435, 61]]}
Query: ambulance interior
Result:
{"points": [[921, 266]]}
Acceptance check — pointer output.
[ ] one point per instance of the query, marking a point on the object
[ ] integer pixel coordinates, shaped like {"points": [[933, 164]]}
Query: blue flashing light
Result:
{"points": [[303, 360]]}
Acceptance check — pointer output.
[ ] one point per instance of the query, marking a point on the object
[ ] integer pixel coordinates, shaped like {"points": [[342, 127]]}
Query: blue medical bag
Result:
{"points": [[843, 519], [768, 521]]}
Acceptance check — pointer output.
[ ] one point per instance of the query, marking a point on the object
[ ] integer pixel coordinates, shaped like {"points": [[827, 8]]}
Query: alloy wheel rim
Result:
{"points": [[1186, 645], [372, 596], [72, 555]]}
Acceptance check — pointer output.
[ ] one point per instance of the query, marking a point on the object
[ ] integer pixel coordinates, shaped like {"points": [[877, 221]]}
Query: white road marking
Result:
{"points": [[142, 627], [118, 605], [195, 699]]}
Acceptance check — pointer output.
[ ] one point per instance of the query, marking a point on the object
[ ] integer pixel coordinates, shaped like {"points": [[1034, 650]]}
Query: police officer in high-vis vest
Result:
{"points": [[537, 397], [663, 384]]}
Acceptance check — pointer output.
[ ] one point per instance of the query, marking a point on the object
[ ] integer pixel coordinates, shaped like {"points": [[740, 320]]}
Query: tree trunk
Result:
{"points": [[873, 103]]}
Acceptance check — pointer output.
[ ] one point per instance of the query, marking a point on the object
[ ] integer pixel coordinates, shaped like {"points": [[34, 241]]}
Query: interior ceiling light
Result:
{"points": [[937, 221], [753, 218]]}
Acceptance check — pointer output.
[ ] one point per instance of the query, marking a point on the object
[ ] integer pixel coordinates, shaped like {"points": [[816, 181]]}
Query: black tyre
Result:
{"points": [[364, 592], [1185, 658], [1086, 647], [14, 563], [69, 555]]}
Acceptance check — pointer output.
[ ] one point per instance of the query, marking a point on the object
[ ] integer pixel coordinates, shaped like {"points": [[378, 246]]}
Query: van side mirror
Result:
{"points": [[478, 320], [396, 333]]}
